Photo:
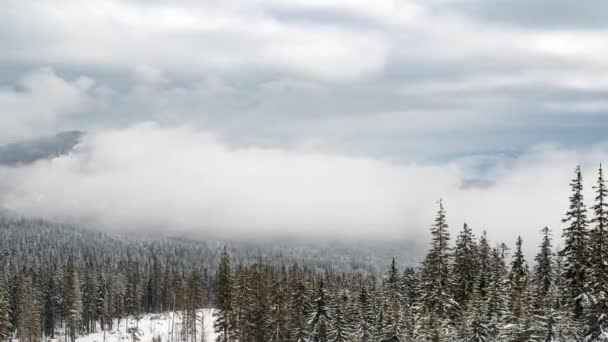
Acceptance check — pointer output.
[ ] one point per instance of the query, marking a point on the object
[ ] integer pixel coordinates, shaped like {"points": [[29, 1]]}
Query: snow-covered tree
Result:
{"points": [[596, 327], [576, 248]]}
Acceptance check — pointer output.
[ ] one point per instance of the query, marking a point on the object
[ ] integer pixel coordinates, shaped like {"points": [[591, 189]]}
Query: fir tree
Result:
{"points": [[5, 323], [519, 318], [436, 283], [392, 302], [28, 310], [465, 266], [299, 310], [340, 329], [365, 316], [223, 301], [576, 249], [597, 313], [319, 322], [72, 303]]}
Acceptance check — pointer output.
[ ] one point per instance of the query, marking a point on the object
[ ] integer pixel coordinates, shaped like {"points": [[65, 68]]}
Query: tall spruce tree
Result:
{"points": [[224, 299], [299, 309], [437, 303], [392, 302], [466, 266], [28, 310], [365, 316], [546, 317], [597, 313], [518, 319], [72, 302], [340, 327], [5, 322], [319, 322], [576, 248]]}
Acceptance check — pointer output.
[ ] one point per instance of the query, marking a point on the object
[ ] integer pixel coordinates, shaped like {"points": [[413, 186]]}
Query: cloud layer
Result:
{"points": [[178, 179]]}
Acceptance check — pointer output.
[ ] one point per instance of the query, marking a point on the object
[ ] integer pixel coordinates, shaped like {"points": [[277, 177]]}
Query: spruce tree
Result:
{"points": [[319, 322], [299, 309], [465, 266], [436, 298], [365, 316], [392, 302], [597, 314], [497, 295], [28, 310], [72, 302], [576, 248], [5, 323], [519, 317], [223, 300], [340, 329]]}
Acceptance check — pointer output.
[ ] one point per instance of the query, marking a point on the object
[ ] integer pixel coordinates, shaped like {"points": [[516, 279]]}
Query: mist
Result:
{"points": [[186, 181]]}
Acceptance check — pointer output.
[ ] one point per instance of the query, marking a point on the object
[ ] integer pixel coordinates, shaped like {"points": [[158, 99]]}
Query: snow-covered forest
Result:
{"points": [[63, 283]]}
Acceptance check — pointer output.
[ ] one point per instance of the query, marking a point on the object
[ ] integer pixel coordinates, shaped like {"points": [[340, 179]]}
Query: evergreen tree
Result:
{"points": [[485, 266], [576, 248], [319, 322], [72, 309], [392, 302], [436, 298], [224, 299], [497, 301], [340, 329], [465, 266], [5, 323], [299, 309], [519, 318], [28, 310], [597, 313], [365, 316], [475, 323]]}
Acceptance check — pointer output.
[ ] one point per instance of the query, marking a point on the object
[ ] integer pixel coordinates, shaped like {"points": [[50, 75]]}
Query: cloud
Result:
{"points": [[38, 101], [182, 180]]}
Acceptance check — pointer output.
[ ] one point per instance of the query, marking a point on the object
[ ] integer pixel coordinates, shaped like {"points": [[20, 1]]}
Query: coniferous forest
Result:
{"points": [[468, 288]]}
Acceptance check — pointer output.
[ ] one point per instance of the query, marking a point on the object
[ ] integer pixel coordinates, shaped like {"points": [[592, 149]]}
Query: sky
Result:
{"points": [[310, 117]]}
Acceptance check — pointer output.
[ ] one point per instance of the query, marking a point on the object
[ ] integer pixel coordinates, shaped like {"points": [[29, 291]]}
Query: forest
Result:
{"points": [[471, 289]]}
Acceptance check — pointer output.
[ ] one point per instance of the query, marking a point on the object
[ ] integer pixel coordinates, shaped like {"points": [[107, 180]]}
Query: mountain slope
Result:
{"points": [[27, 152]]}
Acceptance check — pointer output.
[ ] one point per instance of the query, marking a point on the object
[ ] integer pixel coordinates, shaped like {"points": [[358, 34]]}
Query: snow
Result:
{"points": [[150, 326]]}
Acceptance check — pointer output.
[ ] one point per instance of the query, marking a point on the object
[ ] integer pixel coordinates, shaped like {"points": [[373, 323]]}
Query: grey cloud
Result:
{"points": [[552, 14]]}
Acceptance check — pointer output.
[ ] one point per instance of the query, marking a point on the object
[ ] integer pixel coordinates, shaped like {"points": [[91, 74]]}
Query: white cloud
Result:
{"points": [[184, 180], [38, 101]]}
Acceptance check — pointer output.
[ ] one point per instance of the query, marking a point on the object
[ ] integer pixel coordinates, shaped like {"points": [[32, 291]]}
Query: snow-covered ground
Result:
{"points": [[150, 326]]}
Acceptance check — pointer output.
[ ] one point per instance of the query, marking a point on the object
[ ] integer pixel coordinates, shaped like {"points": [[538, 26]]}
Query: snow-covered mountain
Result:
{"points": [[29, 151]]}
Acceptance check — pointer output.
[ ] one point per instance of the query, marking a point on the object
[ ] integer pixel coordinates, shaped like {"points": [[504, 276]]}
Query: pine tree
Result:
{"points": [[485, 266], [465, 266], [279, 329], [437, 302], [544, 293], [597, 313], [299, 309], [519, 317], [224, 299], [5, 323], [475, 321], [392, 302], [72, 302], [365, 316], [194, 300], [28, 310], [340, 329], [319, 322], [576, 249], [497, 300]]}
